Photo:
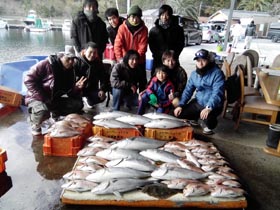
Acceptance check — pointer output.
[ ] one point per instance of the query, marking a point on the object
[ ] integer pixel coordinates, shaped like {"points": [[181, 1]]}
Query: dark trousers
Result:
{"points": [[93, 97], [192, 110]]}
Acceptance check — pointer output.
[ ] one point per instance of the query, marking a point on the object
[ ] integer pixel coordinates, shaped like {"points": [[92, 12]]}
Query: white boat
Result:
{"points": [[40, 26], [31, 17], [3, 24], [66, 26]]}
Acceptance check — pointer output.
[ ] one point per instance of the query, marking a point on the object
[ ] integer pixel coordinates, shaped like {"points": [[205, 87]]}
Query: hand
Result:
{"points": [[80, 82], [204, 113], [171, 95], [101, 95], [133, 88], [140, 95], [177, 111]]}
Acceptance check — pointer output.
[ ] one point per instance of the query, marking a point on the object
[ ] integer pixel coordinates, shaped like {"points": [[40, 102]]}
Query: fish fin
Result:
{"points": [[118, 195]]}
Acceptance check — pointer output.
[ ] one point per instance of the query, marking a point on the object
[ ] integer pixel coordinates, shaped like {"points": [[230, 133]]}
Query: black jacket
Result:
{"points": [[83, 31], [112, 32]]}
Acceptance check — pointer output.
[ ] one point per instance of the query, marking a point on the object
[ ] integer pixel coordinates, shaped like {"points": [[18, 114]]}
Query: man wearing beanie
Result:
{"points": [[88, 27], [133, 35], [165, 35]]}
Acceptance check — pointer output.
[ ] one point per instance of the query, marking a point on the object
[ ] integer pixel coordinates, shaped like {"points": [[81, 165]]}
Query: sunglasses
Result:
{"points": [[201, 54]]}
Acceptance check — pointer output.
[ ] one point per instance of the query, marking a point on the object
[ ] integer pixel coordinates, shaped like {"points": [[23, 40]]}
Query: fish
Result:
{"points": [[88, 151], [106, 174], [134, 119], [138, 143], [204, 150], [177, 173], [93, 160], [195, 142], [99, 144], [79, 185], [79, 120], [119, 186], [110, 115], [159, 155], [138, 164], [192, 158], [231, 183], [98, 138], [62, 129], [226, 192], [112, 154], [112, 123], [196, 189], [178, 184], [165, 124], [175, 151], [213, 161], [184, 163], [156, 115], [76, 175], [87, 167]]}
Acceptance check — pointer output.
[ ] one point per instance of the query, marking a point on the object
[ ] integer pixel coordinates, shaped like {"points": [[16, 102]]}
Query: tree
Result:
{"points": [[255, 5]]}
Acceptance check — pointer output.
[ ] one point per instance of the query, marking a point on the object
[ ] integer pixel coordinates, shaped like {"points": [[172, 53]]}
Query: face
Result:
{"points": [[133, 61], [200, 63], [161, 76], [170, 62], [164, 17], [67, 62], [113, 21], [90, 7], [135, 20], [91, 53]]}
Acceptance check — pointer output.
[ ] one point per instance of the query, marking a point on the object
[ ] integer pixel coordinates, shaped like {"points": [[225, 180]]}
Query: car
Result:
{"points": [[192, 31], [274, 32], [210, 33]]}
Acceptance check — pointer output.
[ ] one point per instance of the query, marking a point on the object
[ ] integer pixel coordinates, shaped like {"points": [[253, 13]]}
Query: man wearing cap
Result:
{"points": [[208, 82], [133, 35], [165, 35], [52, 87], [87, 26]]}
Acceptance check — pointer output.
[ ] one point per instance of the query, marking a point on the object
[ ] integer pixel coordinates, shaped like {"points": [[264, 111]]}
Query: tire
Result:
{"points": [[186, 41], [199, 41], [274, 39]]}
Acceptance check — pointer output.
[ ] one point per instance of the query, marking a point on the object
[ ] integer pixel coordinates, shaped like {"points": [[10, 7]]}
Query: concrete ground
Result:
{"points": [[32, 180]]}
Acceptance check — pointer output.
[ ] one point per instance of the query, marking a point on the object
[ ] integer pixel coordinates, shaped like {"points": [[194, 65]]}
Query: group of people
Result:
{"points": [[57, 85]]}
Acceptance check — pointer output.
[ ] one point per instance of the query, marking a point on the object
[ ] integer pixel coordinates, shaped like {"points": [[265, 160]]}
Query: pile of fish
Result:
{"points": [[71, 125], [194, 168], [119, 119]]}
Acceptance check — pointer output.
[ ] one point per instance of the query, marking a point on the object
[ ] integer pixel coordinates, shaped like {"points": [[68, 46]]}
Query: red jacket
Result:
{"points": [[125, 41]]}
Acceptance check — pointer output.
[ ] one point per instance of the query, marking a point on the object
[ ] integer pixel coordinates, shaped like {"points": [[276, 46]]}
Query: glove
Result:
{"points": [[153, 99]]}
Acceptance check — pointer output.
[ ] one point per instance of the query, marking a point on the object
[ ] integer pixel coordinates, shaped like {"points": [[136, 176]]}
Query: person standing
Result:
{"points": [[114, 20], [236, 33], [208, 81], [52, 88], [133, 35], [157, 92], [89, 66], [165, 35], [87, 26], [249, 33], [125, 79]]}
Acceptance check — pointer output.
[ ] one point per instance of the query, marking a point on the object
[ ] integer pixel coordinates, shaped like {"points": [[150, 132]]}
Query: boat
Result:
{"points": [[30, 18], [66, 26], [3, 24], [40, 26]]}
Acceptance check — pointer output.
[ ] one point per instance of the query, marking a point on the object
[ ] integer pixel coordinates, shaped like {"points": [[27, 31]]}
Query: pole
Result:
{"points": [[127, 6], [228, 24]]}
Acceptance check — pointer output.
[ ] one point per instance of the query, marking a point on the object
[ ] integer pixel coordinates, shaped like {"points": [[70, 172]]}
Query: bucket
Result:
{"points": [[273, 136], [149, 64]]}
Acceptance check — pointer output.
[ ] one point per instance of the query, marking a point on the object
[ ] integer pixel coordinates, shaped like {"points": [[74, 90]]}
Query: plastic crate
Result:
{"points": [[86, 131], [10, 97], [69, 147], [175, 134], [116, 133], [3, 159]]}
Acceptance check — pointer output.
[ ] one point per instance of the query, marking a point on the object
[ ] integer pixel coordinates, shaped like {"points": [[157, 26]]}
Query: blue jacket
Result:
{"points": [[209, 88]]}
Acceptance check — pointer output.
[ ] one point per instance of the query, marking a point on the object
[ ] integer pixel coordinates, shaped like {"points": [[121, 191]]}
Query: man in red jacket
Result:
{"points": [[133, 35]]}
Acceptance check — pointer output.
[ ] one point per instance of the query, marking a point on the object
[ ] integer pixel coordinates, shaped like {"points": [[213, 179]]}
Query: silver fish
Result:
{"points": [[93, 160], [134, 119], [80, 120], [176, 173], [88, 151], [159, 155], [62, 129], [110, 115], [119, 186], [79, 185], [165, 124], [192, 158], [227, 192], [112, 154], [196, 189], [98, 138], [106, 174], [76, 175], [178, 183], [87, 167], [184, 163], [138, 164], [112, 123], [138, 143], [156, 115]]}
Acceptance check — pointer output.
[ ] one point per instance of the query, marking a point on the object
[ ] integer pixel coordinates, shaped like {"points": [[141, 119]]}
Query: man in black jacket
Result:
{"points": [[87, 26]]}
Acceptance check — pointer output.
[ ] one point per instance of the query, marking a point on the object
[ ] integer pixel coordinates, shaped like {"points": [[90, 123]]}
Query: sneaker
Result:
{"points": [[194, 123], [207, 131], [36, 130], [85, 100]]}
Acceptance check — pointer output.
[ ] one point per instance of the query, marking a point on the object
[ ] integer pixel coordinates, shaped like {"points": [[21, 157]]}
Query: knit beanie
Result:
{"points": [[135, 10]]}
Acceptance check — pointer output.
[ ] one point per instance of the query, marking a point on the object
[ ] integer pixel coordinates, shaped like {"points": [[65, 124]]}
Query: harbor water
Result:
{"points": [[16, 43]]}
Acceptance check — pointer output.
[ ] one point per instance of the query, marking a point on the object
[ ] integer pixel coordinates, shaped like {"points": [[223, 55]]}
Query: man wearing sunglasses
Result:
{"points": [[208, 83]]}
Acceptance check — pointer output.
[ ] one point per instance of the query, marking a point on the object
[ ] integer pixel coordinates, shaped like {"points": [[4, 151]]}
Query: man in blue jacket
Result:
{"points": [[208, 82]]}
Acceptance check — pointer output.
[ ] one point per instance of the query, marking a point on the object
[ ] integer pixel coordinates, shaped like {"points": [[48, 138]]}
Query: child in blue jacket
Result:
{"points": [[157, 93]]}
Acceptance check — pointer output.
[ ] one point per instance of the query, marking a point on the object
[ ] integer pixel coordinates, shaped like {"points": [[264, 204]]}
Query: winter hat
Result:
{"points": [[135, 10], [204, 54], [69, 51]]}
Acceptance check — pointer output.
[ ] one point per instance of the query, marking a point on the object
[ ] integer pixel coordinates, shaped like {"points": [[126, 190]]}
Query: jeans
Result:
{"points": [[119, 96]]}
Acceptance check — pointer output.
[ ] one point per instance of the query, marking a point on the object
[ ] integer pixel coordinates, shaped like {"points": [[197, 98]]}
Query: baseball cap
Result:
{"points": [[204, 54], [69, 52]]}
